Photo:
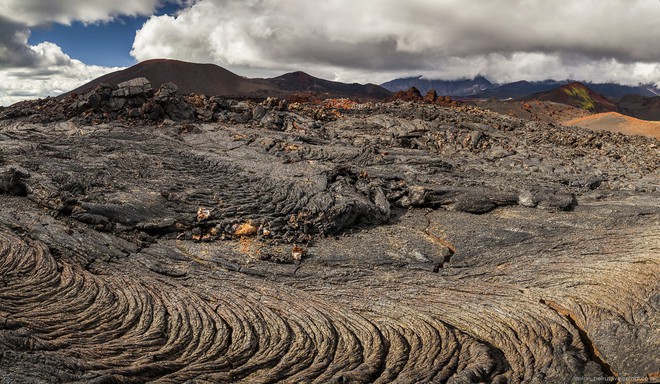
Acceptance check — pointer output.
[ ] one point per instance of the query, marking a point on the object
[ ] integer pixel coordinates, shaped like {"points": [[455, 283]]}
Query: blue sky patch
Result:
{"points": [[106, 44]]}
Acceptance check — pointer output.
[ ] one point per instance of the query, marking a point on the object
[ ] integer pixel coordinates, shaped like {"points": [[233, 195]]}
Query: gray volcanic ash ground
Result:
{"points": [[153, 237]]}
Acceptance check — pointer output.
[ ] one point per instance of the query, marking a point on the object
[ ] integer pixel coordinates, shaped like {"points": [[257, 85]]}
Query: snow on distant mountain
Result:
{"points": [[480, 87], [461, 87]]}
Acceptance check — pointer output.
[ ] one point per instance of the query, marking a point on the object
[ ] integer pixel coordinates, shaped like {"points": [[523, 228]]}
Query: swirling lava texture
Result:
{"points": [[120, 323], [124, 328], [431, 254]]}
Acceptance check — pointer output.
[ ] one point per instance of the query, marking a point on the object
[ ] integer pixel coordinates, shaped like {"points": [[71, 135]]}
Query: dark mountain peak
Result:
{"points": [[573, 84], [300, 81], [212, 80], [573, 88], [299, 75], [481, 79], [295, 80], [577, 94], [207, 79]]}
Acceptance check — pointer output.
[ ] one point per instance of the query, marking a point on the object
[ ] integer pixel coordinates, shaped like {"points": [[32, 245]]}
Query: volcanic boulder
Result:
{"points": [[411, 94]]}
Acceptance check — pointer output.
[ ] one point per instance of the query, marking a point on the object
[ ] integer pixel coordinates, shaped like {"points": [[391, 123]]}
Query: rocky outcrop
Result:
{"points": [[12, 181], [411, 94], [267, 242], [431, 96], [136, 101], [132, 88]]}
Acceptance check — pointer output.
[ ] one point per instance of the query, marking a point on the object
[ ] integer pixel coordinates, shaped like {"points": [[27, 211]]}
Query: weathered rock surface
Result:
{"points": [[411, 94], [395, 242]]}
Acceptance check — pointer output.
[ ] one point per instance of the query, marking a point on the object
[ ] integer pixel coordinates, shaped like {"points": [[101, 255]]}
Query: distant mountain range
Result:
{"points": [[455, 88], [213, 80], [480, 87], [641, 101], [586, 97]]}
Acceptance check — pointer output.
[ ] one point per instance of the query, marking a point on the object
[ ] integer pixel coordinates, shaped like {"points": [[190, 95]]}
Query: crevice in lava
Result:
{"points": [[592, 351], [448, 247]]}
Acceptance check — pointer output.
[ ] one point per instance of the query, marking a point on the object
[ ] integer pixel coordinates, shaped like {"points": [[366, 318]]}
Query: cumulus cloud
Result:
{"points": [[28, 71], [348, 40], [13, 44], [55, 73], [371, 39], [38, 12]]}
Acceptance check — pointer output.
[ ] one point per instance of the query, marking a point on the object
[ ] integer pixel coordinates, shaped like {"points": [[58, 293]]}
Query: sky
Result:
{"points": [[50, 47]]}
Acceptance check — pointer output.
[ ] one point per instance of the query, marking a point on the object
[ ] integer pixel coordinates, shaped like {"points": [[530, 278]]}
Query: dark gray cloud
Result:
{"points": [[351, 39], [14, 51]]}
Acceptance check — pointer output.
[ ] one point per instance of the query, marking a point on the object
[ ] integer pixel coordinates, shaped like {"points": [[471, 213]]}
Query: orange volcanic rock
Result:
{"points": [[431, 96], [616, 122], [411, 94]]}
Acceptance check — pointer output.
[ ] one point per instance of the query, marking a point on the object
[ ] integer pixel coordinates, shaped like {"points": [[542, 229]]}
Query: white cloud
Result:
{"points": [[367, 40], [54, 74], [27, 71], [348, 40], [541, 66], [38, 12]]}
